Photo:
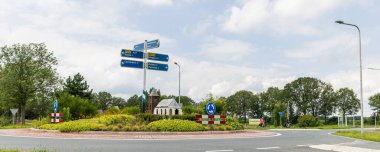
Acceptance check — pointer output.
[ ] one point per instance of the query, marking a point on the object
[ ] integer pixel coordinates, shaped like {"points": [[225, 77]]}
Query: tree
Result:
{"points": [[346, 101], [238, 103], [133, 101], [79, 107], [374, 102], [26, 71], [327, 101], [270, 98], [119, 102], [256, 106], [77, 86], [306, 93], [103, 100]]}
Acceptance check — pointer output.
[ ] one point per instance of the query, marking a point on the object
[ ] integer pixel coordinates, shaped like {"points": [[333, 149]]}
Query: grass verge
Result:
{"points": [[368, 135], [294, 127], [15, 127]]}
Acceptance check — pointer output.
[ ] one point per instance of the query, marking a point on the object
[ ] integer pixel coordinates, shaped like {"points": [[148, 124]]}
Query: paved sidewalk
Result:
{"points": [[137, 135]]}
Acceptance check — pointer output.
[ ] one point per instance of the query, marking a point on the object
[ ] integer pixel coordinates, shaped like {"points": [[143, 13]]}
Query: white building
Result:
{"points": [[168, 107]]}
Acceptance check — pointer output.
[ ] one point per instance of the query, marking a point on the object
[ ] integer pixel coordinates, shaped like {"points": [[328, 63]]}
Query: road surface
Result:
{"points": [[286, 141]]}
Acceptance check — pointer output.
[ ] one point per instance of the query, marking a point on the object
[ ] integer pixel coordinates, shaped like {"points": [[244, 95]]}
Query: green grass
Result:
{"points": [[294, 127], [15, 127], [23, 151], [368, 135]]}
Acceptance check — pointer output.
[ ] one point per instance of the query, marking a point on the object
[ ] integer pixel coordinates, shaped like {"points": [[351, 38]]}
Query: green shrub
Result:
{"points": [[184, 117], [234, 123], [131, 110], [66, 114], [112, 111], [74, 126], [229, 128], [308, 121], [126, 128], [5, 121], [38, 123], [188, 110], [147, 117], [222, 128], [175, 125], [136, 128], [115, 128], [79, 108], [116, 119]]}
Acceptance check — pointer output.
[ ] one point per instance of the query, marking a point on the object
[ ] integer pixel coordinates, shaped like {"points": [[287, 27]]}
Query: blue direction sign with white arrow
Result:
{"points": [[55, 106], [132, 64], [158, 66], [132, 54], [210, 108], [158, 57], [149, 45]]}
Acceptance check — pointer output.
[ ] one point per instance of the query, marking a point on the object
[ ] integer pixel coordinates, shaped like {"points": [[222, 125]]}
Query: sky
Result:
{"points": [[222, 46]]}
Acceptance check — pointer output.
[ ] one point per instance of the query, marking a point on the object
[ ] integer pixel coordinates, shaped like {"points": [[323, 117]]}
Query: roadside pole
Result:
{"points": [[145, 66]]}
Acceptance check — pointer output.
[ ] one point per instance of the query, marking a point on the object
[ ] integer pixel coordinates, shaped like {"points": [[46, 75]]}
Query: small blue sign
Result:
{"points": [[55, 105], [132, 54], [131, 64], [157, 66], [210, 108], [149, 45], [158, 57], [280, 113]]}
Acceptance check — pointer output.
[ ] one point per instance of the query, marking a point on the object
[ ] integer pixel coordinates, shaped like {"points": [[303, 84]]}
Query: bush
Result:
{"points": [[126, 128], [222, 128], [5, 121], [66, 114], [184, 117], [131, 110], [136, 128], [38, 123], [112, 111], [74, 126], [147, 117], [116, 119], [175, 125], [332, 121], [234, 123], [308, 121], [187, 110], [79, 107]]}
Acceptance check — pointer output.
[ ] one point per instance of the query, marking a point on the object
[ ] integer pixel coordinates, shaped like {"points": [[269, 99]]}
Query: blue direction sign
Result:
{"points": [[210, 108], [158, 66], [280, 113], [132, 54], [158, 57], [55, 106], [149, 45], [131, 64]]}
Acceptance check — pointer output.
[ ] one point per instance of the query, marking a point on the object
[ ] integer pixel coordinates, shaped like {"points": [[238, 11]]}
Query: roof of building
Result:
{"points": [[168, 103]]}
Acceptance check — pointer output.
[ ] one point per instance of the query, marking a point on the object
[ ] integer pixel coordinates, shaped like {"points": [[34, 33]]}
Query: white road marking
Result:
{"points": [[294, 129], [341, 148], [264, 148], [302, 145], [218, 150]]}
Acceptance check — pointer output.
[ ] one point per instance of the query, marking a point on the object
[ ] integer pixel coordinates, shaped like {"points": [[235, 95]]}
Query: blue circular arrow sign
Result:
{"points": [[210, 108]]}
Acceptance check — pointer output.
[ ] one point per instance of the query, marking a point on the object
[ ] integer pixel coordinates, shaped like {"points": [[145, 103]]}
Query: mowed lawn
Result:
{"points": [[368, 135]]}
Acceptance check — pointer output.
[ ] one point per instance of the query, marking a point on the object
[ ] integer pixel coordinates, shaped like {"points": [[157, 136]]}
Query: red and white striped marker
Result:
{"points": [[56, 114], [212, 121]]}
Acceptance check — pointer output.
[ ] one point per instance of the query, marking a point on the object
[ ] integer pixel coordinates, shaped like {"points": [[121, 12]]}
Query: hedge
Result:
{"points": [[175, 125]]}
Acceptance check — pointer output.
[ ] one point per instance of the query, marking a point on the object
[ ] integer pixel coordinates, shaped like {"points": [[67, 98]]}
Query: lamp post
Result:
{"points": [[179, 82], [361, 73]]}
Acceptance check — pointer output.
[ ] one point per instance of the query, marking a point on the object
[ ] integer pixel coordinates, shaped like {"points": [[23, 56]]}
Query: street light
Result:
{"points": [[361, 73], [179, 82]]}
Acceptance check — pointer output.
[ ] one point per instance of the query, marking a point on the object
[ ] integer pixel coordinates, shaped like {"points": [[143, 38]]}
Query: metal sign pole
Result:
{"points": [[145, 66]]}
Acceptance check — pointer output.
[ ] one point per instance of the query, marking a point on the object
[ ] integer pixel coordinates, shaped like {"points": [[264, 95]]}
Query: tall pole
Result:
{"points": [[361, 73], [144, 88], [179, 82]]}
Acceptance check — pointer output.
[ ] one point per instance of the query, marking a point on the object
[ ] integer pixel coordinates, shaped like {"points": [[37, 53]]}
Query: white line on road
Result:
{"points": [[218, 150], [340, 148], [264, 148]]}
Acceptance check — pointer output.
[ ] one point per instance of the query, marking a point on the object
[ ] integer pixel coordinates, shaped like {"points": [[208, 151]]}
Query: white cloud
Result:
{"points": [[281, 16], [156, 2], [224, 49]]}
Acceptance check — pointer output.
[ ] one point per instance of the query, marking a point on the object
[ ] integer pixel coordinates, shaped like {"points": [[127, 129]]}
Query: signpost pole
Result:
{"points": [[145, 66], [375, 119]]}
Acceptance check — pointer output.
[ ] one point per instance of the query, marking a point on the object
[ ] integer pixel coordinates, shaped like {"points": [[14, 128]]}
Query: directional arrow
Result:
{"points": [[149, 45], [131, 64], [132, 54], [158, 57], [157, 66]]}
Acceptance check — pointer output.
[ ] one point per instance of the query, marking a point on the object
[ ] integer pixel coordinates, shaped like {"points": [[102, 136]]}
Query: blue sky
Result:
{"points": [[222, 45]]}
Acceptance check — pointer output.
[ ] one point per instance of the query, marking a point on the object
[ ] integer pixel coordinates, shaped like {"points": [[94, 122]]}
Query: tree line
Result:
{"points": [[30, 82]]}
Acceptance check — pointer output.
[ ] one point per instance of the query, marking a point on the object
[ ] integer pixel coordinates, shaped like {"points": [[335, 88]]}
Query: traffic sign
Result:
{"points": [[131, 64], [280, 113], [149, 45], [158, 57], [210, 108], [157, 66], [132, 54], [55, 105]]}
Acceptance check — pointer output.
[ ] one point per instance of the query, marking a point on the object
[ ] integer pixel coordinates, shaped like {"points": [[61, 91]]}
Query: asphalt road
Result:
{"points": [[288, 141]]}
